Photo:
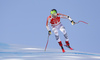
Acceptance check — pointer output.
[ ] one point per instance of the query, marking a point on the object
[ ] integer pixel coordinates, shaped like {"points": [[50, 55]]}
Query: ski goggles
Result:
{"points": [[53, 12]]}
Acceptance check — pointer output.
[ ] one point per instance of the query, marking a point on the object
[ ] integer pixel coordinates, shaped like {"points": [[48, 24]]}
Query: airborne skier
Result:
{"points": [[54, 20]]}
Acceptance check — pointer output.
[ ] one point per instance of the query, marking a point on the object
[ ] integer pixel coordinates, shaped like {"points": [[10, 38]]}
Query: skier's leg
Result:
{"points": [[58, 38], [62, 29], [56, 34]]}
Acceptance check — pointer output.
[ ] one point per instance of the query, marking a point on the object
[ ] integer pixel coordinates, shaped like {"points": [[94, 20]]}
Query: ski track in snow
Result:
{"points": [[23, 53]]}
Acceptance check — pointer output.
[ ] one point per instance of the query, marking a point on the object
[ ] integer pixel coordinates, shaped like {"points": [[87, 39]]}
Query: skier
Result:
{"points": [[54, 20]]}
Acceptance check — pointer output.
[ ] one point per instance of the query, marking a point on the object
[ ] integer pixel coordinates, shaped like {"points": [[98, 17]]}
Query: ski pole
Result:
{"points": [[81, 21], [47, 42]]}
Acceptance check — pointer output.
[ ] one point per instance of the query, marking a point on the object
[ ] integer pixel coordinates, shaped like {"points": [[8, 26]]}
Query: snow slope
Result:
{"points": [[15, 52]]}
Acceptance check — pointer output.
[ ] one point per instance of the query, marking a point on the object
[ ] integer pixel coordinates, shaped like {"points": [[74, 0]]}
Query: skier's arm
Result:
{"points": [[47, 26], [65, 16], [68, 17]]}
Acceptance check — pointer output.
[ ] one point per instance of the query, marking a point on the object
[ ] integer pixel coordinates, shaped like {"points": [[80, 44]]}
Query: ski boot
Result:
{"points": [[68, 45], [60, 43]]}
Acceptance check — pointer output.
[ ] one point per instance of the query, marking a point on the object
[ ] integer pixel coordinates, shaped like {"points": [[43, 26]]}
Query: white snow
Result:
{"points": [[96, 57], [12, 59], [31, 49], [26, 53]]}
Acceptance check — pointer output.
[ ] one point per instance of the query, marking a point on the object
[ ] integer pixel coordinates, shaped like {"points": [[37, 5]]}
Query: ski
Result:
{"points": [[69, 47]]}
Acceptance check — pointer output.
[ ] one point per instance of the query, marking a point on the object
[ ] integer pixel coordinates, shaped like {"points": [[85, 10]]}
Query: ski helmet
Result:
{"points": [[53, 11]]}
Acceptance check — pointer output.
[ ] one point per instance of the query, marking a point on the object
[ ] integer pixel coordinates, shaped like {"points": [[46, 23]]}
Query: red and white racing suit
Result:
{"points": [[56, 25]]}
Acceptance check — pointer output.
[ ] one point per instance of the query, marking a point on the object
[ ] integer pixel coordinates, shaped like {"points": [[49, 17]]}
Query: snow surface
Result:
{"points": [[14, 52]]}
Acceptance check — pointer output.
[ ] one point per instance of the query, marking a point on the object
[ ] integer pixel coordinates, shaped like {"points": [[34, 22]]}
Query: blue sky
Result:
{"points": [[24, 22]]}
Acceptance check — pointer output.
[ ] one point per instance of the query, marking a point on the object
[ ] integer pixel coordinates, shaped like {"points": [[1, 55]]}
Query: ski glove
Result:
{"points": [[73, 23], [49, 32]]}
